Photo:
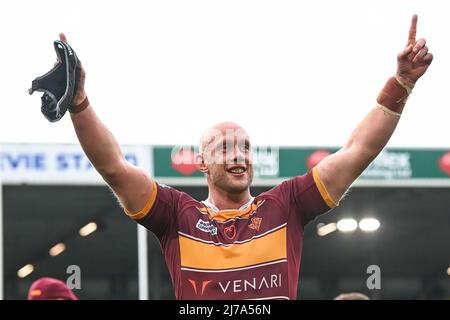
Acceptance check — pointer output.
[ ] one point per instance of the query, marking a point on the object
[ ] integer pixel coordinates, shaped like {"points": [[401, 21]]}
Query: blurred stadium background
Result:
{"points": [[171, 68], [57, 212]]}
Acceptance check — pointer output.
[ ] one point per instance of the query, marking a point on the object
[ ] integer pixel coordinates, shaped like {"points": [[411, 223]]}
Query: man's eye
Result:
{"points": [[245, 148]]}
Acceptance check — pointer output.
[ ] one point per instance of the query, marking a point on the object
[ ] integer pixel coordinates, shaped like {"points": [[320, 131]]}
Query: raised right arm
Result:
{"points": [[132, 185]]}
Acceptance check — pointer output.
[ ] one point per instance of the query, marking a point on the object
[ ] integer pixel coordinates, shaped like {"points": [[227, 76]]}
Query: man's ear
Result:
{"points": [[201, 163]]}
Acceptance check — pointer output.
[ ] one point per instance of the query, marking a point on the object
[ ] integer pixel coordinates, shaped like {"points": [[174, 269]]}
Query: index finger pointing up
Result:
{"points": [[412, 30], [62, 37]]}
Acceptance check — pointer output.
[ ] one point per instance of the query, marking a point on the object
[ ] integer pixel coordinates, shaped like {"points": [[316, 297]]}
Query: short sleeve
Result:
{"points": [[160, 211], [305, 195]]}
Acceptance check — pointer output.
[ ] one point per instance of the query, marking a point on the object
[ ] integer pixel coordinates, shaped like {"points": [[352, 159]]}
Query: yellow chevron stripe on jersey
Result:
{"points": [[199, 255]]}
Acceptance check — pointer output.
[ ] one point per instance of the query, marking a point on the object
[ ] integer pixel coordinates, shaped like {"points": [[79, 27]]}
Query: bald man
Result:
{"points": [[234, 245]]}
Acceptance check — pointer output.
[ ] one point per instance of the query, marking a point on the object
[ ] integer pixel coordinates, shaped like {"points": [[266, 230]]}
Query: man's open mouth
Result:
{"points": [[237, 170]]}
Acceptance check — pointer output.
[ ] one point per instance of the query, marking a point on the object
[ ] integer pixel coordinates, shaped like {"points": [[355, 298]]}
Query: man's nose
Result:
{"points": [[239, 155]]}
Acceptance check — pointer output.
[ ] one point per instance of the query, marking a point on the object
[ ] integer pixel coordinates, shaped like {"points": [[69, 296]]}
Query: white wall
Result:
{"points": [[291, 72]]}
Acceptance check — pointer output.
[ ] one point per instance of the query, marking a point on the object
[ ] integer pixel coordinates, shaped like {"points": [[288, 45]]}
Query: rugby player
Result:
{"points": [[234, 245]]}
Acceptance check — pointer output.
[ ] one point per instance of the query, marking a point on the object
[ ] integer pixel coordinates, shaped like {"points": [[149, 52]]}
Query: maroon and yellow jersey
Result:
{"points": [[250, 253]]}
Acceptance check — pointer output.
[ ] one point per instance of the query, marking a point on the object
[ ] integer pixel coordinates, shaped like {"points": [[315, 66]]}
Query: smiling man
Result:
{"points": [[233, 245]]}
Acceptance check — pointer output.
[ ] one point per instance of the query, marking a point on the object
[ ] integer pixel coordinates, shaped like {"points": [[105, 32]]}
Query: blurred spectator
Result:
{"points": [[352, 296], [50, 289]]}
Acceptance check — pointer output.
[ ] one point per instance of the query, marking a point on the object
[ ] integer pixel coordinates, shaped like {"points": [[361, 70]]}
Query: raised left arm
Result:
{"points": [[339, 170]]}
